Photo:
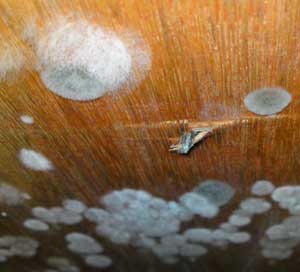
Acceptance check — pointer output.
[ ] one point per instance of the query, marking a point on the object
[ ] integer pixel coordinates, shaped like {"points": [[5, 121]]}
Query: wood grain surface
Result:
{"points": [[206, 56]]}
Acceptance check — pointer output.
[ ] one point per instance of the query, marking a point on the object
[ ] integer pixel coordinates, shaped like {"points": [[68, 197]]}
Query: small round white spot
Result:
{"points": [[262, 188], [239, 237], [82, 243], [98, 261], [35, 225], [192, 250], [74, 205], [238, 220], [199, 204], [34, 160], [199, 235], [255, 205], [27, 119]]}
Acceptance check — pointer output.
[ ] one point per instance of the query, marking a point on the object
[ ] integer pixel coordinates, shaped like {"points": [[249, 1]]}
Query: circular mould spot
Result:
{"points": [[199, 235], [27, 119], [74, 205], [192, 250], [82, 61], [199, 204], [255, 205], [239, 237], [98, 261], [239, 221], [35, 225], [262, 188], [34, 160], [267, 101], [82, 244], [218, 192]]}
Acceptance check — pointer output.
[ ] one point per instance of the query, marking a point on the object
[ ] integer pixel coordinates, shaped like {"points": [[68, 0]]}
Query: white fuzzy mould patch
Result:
{"points": [[12, 61], [45, 215], [66, 217], [98, 261], [82, 244], [277, 232], [27, 119], [228, 227], [35, 160], [18, 246], [134, 213], [199, 235], [57, 215], [277, 254], [11, 196], [173, 240], [285, 192], [262, 188], [36, 225], [217, 192], [239, 237], [255, 205], [96, 215], [267, 101], [82, 61], [74, 205], [281, 239], [199, 205], [191, 250], [239, 220], [288, 197], [144, 242]]}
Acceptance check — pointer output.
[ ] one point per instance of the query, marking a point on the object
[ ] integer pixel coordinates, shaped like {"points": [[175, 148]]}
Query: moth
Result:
{"points": [[189, 139]]}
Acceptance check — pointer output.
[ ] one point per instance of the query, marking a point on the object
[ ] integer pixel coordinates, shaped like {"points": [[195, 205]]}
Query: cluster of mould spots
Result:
{"points": [[136, 218], [139, 219]]}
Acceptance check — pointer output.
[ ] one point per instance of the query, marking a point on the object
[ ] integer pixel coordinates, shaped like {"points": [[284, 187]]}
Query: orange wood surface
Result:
{"points": [[206, 56]]}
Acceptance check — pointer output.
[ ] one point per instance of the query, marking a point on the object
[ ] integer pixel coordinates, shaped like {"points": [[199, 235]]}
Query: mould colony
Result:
{"points": [[34, 160], [26, 119], [83, 61], [145, 222], [137, 218], [267, 101], [20, 246]]}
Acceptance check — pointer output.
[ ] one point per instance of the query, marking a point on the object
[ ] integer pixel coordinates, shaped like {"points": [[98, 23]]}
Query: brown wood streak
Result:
{"points": [[207, 55]]}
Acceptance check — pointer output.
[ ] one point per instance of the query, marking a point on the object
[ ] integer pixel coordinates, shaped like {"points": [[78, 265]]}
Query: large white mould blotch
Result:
{"points": [[81, 61], [34, 160], [267, 101]]}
